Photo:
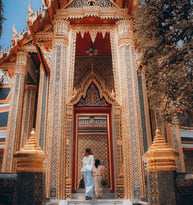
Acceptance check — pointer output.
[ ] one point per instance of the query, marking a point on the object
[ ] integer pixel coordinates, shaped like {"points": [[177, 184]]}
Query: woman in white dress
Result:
{"points": [[87, 170], [98, 177]]}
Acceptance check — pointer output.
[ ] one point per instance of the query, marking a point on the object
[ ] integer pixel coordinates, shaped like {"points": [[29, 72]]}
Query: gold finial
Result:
{"points": [[160, 156], [157, 132], [31, 144], [30, 157]]}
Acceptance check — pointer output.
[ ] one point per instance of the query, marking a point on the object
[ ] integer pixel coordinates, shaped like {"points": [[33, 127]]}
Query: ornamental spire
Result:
{"points": [[30, 157], [160, 156]]}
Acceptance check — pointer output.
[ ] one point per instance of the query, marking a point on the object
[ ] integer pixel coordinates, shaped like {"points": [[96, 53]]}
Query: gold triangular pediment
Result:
{"points": [[92, 78]]}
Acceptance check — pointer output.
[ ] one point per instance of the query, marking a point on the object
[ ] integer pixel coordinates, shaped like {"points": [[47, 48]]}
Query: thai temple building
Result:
{"points": [[72, 78]]}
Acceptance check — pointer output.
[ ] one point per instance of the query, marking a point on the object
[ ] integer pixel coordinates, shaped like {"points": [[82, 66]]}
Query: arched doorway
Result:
{"points": [[93, 128], [109, 110]]}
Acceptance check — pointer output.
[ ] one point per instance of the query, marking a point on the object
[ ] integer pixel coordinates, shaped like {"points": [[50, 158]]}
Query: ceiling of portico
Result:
{"points": [[101, 45], [92, 32]]}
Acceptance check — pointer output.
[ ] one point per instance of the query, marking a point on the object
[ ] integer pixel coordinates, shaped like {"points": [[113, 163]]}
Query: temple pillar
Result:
{"points": [[71, 64], [131, 118], [146, 109], [119, 183], [174, 139], [56, 139], [171, 132], [28, 112], [68, 152], [30, 184], [42, 107], [160, 163], [15, 113]]}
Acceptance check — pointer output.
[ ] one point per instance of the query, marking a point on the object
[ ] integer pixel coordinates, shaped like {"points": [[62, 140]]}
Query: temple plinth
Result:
{"points": [[30, 158], [160, 156]]}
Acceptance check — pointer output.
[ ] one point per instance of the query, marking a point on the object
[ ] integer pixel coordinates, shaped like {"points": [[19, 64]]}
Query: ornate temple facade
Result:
{"points": [[73, 77]]}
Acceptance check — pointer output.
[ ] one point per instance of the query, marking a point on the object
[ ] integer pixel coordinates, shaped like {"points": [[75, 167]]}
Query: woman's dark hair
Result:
{"points": [[97, 162], [88, 151]]}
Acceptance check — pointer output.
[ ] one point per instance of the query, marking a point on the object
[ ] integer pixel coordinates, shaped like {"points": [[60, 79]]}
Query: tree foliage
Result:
{"points": [[163, 35]]}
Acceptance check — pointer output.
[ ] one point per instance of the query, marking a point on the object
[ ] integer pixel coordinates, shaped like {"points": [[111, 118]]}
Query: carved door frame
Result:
{"points": [[115, 115], [91, 111]]}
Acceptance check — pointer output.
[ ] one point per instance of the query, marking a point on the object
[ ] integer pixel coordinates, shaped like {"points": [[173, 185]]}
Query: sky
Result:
{"points": [[15, 12]]}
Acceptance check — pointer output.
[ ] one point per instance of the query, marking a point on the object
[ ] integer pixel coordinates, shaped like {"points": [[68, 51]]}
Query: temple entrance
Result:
{"points": [[92, 132], [92, 101], [92, 128]]}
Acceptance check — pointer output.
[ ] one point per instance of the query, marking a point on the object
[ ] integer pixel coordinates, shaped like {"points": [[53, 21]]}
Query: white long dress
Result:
{"points": [[88, 164]]}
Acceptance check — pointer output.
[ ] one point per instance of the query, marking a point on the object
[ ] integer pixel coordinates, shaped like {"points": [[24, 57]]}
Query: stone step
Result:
{"points": [[96, 202], [81, 196], [106, 190], [104, 196], [90, 202]]}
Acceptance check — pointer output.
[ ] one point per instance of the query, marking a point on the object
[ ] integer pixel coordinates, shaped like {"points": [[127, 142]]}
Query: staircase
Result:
{"points": [[96, 202], [81, 195], [108, 199]]}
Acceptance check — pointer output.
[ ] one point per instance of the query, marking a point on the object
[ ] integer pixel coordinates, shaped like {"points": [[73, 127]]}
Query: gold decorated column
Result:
{"points": [[28, 112], [15, 114], [41, 115], [146, 109], [55, 133], [129, 98], [174, 138]]}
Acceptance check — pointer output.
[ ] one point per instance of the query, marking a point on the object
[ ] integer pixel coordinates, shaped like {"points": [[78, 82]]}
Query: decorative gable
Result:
{"points": [[91, 3], [92, 98]]}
